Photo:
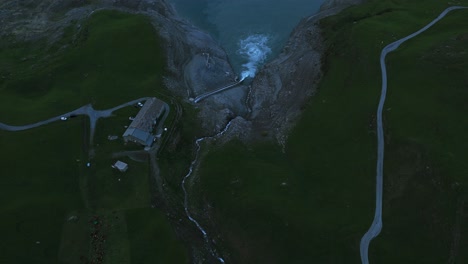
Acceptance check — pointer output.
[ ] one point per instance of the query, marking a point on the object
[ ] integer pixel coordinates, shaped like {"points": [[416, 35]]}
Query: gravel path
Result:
{"points": [[87, 110], [376, 225]]}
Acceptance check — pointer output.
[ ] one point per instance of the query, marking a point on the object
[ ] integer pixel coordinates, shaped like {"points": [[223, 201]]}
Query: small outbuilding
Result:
{"points": [[121, 166]]}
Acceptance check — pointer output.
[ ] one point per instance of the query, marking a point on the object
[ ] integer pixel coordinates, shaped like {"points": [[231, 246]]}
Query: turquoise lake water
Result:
{"points": [[251, 31]]}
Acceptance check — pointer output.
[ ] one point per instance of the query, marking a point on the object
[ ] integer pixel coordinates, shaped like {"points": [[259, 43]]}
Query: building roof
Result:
{"points": [[121, 166], [143, 136], [146, 117]]}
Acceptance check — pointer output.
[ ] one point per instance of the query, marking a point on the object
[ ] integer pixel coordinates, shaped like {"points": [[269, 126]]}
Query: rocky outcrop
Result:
{"points": [[281, 89]]}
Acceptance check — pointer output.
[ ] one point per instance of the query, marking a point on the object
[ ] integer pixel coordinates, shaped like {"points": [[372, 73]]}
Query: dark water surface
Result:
{"points": [[251, 31]]}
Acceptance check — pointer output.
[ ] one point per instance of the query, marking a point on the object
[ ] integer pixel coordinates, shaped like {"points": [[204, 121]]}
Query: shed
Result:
{"points": [[121, 166]]}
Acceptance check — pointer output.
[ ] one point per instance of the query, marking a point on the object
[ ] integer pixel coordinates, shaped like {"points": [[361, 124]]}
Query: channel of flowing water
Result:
{"points": [[251, 32], [237, 24], [207, 239]]}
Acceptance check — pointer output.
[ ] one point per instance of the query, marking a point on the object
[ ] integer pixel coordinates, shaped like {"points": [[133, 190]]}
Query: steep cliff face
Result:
{"points": [[283, 86]]}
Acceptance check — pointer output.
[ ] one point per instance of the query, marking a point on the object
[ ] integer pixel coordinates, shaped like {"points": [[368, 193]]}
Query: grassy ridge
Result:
{"points": [[314, 202], [112, 59]]}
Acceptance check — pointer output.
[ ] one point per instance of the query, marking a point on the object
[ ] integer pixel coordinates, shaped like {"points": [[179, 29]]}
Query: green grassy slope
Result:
{"points": [[153, 241], [113, 59], [39, 188], [313, 203]]}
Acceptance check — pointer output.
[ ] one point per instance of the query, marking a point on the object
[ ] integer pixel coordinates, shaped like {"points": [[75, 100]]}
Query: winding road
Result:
{"points": [[376, 225], [88, 110]]}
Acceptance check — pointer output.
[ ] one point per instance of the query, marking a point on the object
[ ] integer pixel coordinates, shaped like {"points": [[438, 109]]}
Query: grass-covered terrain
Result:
{"points": [[313, 203], [53, 208], [152, 241], [112, 59], [39, 189]]}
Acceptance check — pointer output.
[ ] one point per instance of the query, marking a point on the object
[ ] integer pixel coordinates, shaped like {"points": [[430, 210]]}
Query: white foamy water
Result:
{"points": [[254, 50], [228, 21], [208, 240]]}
